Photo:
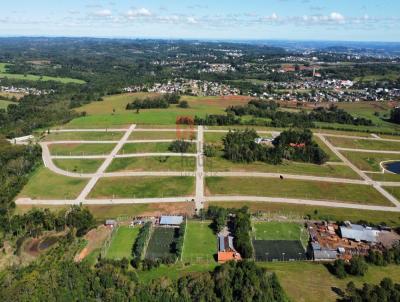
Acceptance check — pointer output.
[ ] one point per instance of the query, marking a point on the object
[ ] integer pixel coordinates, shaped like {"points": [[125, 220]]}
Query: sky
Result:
{"points": [[346, 20]]}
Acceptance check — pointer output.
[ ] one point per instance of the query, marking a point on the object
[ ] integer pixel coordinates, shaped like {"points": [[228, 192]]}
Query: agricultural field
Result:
{"points": [[161, 243], [369, 161], [219, 164], [44, 184], [364, 144], [122, 242], [142, 187], [31, 77], [150, 148], [252, 186], [80, 149], [153, 163], [79, 165], [200, 242]]}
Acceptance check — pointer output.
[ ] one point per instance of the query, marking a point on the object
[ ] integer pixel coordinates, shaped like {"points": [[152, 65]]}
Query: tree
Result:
{"points": [[395, 115], [338, 269], [183, 104], [357, 266]]}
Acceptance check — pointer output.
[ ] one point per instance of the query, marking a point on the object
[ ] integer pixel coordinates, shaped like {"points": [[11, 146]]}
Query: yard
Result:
{"points": [[200, 242], [122, 242], [81, 149]]}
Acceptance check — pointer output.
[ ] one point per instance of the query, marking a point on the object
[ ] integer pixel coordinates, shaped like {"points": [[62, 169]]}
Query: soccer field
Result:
{"points": [[200, 242]]}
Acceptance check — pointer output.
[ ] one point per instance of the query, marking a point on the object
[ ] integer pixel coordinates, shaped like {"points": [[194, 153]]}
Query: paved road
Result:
{"points": [[199, 200], [288, 176], [322, 203], [92, 182], [367, 151], [361, 173]]}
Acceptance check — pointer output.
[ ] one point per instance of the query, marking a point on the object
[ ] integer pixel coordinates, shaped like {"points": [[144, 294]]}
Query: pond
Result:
{"points": [[393, 167]]}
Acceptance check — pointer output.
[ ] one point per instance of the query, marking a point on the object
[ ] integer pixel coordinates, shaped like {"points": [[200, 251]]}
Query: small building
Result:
{"points": [[22, 139], [359, 233], [226, 250], [319, 253], [111, 223], [171, 220]]}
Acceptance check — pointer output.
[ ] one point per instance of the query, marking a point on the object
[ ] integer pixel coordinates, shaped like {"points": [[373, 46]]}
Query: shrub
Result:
{"points": [[183, 104]]}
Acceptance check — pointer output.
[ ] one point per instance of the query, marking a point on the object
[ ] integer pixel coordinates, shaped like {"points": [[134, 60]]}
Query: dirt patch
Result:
{"points": [[186, 209], [95, 239], [225, 101]]}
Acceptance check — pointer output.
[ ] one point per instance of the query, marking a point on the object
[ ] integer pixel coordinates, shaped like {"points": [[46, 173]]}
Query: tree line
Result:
{"points": [[162, 101]]}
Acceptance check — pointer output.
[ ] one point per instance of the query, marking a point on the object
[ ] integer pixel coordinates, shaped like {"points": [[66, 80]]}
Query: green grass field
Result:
{"points": [[315, 213], [280, 231], [143, 187], [122, 242], [79, 165], [153, 163], [395, 191], [369, 161], [4, 103], [150, 148], [291, 188], [220, 164], [44, 184], [364, 144], [84, 136], [312, 282], [384, 176], [30, 77], [332, 156], [149, 135], [200, 242], [81, 149]]}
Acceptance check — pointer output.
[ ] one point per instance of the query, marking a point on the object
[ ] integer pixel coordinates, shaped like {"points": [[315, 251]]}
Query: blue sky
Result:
{"points": [[360, 20]]}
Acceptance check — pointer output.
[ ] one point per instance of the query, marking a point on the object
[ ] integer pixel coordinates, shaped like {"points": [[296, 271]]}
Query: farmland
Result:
{"points": [[161, 243]]}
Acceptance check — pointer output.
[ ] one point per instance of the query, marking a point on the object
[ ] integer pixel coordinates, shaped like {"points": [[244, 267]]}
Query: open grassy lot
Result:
{"points": [[289, 167], [44, 184], [153, 163], [308, 282], [216, 137], [291, 188], [364, 144], [149, 135], [79, 165], [81, 149], [332, 156], [150, 148], [160, 244], [84, 136], [4, 104], [395, 191], [280, 231], [315, 213], [112, 110], [30, 77], [369, 161], [384, 176], [143, 187], [122, 242], [200, 242]]}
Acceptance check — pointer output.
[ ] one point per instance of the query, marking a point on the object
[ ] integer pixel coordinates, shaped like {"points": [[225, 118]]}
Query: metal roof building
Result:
{"points": [[171, 220], [359, 233]]}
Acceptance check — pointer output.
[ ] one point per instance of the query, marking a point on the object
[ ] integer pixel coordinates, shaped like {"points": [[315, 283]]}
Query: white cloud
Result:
{"points": [[192, 20], [337, 17], [139, 12], [103, 13]]}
